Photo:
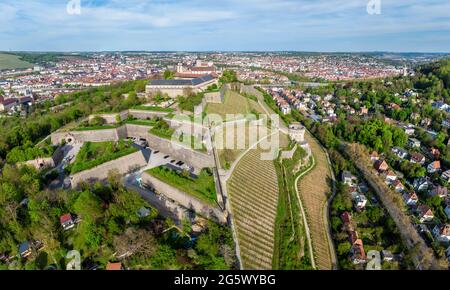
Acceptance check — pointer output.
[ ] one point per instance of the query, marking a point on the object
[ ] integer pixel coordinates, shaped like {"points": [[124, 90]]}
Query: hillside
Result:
{"points": [[10, 61]]}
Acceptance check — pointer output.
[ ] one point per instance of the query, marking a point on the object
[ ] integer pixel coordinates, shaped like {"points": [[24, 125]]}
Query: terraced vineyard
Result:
{"points": [[253, 191], [314, 189]]}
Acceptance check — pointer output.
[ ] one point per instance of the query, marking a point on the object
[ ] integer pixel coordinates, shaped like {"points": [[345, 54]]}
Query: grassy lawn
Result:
{"points": [[161, 129], [153, 108], [94, 154], [202, 187], [149, 123], [9, 61], [92, 128]]}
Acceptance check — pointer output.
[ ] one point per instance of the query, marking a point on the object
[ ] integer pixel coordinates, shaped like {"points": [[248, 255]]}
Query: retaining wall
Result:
{"points": [[124, 165], [184, 199], [177, 151]]}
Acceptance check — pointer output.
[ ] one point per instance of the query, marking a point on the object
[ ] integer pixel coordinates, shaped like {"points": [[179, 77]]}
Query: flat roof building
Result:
{"points": [[176, 87]]}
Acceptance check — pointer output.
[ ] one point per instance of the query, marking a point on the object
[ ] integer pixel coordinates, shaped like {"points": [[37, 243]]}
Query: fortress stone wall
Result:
{"points": [[139, 114], [184, 199], [193, 158], [124, 165]]}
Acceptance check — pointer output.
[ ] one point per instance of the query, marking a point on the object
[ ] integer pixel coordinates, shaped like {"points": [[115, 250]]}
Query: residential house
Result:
{"points": [[425, 213], [387, 256], [410, 198], [446, 175], [358, 253], [398, 186], [114, 266], [25, 249], [381, 165], [360, 201], [434, 166], [7, 104], [346, 218], [435, 153], [401, 153], [285, 109], [438, 190], [391, 176], [447, 210], [409, 131], [374, 156], [413, 143], [348, 178], [442, 233], [417, 157], [67, 221], [422, 183]]}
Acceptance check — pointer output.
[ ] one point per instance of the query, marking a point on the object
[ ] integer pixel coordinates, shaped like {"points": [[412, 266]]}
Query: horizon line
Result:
{"points": [[222, 51]]}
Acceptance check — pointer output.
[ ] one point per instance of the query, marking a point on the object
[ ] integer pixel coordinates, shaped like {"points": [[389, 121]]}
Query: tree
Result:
{"points": [[97, 121], [228, 76], [344, 248], [88, 205], [138, 242], [169, 75], [125, 205]]}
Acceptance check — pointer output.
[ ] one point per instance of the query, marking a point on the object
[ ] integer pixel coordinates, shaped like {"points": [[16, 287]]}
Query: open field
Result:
{"points": [[234, 104], [253, 191], [314, 189], [9, 61]]}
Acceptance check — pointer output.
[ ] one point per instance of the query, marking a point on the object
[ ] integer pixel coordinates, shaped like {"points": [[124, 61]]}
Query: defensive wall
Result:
{"points": [[184, 199], [124, 165], [177, 151]]}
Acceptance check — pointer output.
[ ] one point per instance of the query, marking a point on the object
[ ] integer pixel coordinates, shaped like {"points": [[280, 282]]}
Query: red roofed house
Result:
{"points": [[410, 198], [358, 253], [434, 166], [398, 186], [391, 176], [7, 104], [67, 221], [114, 266], [346, 217], [425, 213], [417, 158], [442, 233], [381, 165]]}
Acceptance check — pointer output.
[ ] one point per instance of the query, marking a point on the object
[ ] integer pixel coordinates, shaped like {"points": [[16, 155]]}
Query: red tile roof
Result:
{"points": [[114, 266], [65, 218]]}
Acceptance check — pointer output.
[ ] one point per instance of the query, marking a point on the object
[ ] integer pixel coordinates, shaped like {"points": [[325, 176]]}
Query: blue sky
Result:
{"points": [[203, 25]]}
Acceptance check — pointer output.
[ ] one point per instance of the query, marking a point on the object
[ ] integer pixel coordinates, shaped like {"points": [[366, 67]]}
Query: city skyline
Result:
{"points": [[320, 26]]}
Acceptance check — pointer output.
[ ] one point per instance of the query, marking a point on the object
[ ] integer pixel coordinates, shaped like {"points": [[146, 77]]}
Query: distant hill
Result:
{"points": [[11, 61]]}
